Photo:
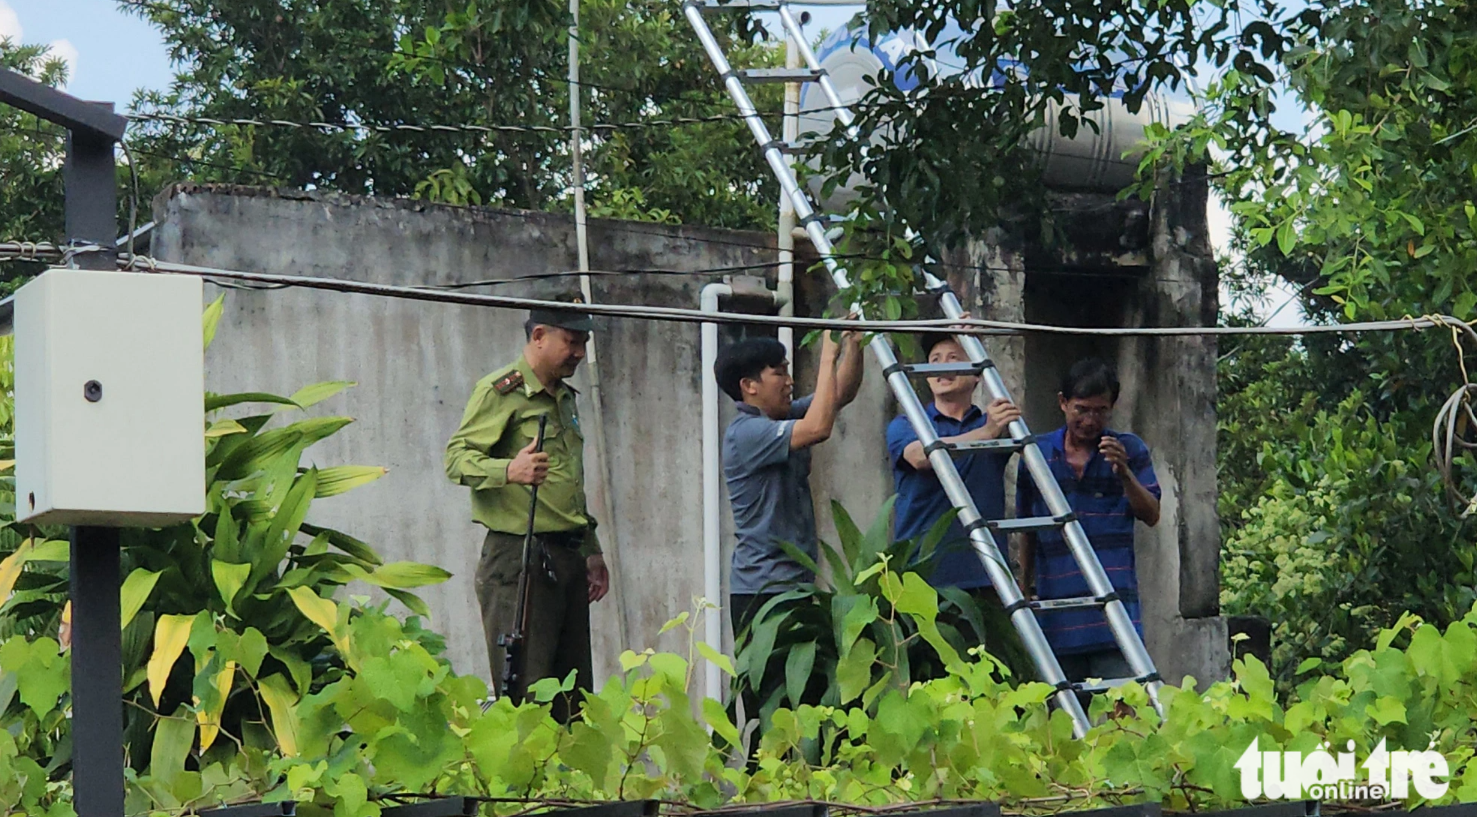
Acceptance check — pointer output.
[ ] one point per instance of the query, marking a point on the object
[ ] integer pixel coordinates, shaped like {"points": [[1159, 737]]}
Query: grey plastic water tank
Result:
{"points": [[1103, 160]]}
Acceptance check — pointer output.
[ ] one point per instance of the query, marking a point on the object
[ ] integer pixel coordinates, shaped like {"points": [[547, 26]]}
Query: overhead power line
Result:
{"points": [[412, 128], [972, 326]]}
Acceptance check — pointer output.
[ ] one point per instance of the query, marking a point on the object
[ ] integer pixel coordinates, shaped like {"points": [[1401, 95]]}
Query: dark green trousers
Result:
{"points": [[558, 637]]}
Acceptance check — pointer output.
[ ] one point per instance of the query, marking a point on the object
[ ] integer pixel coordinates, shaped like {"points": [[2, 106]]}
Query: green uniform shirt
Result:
{"points": [[501, 419]]}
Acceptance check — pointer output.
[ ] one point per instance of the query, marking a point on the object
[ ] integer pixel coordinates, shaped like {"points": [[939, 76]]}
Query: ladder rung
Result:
{"points": [[769, 5], [1077, 603], [974, 446], [942, 369], [780, 74], [1027, 524]]}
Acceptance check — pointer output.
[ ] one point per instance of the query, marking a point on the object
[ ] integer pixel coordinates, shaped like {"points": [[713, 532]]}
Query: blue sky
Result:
{"points": [[111, 53]]}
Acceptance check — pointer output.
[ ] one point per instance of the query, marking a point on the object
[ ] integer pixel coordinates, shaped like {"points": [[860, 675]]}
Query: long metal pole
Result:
{"points": [[97, 640], [592, 369], [984, 544]]}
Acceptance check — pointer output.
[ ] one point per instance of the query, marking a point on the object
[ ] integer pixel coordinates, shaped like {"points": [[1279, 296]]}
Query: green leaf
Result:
{"points": [[800, 556], [717, 717], [135, 592], [674, 623], [797, 670], [854, 670], [318, 392], [257, 453], [215, 402], [229, 579], [412, 602], [1286, 237], [52, 550], [344, 478], [212, 318], [171, 634], [1386, 710], [879, 535], [173, 737], [250, 650], [1308, 664], [344, 542], [224, 428], [856, 620], [848, 532], [289, 517], [281, 702], [406, 575], [706, 650], [42, 673]]}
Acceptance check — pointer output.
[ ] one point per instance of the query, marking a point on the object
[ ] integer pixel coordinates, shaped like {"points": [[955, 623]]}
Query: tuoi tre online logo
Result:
{"points": [[1322, 776]]}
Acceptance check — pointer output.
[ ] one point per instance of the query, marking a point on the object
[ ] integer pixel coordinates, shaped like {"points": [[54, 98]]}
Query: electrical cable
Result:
{"points": [[1456, 422], [972, 326]]}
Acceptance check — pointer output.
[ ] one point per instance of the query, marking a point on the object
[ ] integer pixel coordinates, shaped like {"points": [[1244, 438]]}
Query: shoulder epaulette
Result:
{"points": [[508, 382]]}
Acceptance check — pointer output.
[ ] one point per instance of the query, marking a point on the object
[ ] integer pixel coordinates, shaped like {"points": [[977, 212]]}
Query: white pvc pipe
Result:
{"points": [[712, 496], [790, 132]]}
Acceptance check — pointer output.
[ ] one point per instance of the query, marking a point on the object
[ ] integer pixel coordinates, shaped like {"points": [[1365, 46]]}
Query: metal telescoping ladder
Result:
{"points": [[940, 454]]}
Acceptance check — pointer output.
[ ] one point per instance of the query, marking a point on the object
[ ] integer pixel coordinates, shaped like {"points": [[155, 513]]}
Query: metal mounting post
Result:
{"points": [[97, 640]]}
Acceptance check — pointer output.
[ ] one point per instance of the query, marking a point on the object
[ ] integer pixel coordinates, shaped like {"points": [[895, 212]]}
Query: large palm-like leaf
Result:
{"points": [[832, 642]]}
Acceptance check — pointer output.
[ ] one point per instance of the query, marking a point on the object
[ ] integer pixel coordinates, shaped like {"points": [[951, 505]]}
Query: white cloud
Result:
{"points": [[10, 24], [66, 52]]}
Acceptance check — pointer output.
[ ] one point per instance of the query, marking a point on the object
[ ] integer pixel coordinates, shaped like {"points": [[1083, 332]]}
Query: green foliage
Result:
{"points": [[248, 679], [1377, 199], [481, 63], [395, 720], [242, 590], [953, 157], [1349, 531], [1332, 514], [630, 204], [31, 153], [875, 626]]}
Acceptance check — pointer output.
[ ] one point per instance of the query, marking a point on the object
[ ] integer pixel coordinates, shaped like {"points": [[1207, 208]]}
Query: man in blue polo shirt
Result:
{"points": [[1109, 481], [921, 500]]}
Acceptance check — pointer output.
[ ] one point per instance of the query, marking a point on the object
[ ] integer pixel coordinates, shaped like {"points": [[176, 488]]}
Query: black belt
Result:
{"points": [[572, 539]]}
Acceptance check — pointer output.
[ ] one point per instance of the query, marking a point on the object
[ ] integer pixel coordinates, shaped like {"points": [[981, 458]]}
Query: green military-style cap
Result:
{"points": [[572, 321]]}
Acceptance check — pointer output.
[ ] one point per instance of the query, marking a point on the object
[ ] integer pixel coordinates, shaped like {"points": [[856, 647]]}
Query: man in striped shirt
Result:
{"points": [[1109, 481]]}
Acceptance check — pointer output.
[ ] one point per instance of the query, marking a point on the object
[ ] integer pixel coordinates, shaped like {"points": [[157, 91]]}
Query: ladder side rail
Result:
{"points": [[843, 111], [1098, 583], [804, 212]]}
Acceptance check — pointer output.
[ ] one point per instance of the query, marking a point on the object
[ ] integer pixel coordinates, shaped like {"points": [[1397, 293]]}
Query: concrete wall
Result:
{"points": [[416, 363], [1146, 268]]}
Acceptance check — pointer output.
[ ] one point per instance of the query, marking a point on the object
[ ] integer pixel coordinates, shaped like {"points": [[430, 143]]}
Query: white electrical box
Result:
{"points": [[109, 399]]}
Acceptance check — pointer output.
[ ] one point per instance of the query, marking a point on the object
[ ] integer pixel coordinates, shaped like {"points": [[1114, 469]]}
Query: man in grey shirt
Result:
{"points": [[766, 460]]}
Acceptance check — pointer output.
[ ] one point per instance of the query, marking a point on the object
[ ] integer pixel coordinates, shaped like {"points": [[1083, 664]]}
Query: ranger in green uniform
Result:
{"points": [[492, 453]]}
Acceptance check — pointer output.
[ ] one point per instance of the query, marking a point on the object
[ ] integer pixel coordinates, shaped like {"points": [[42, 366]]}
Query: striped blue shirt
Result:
{"points": [[1101, 505]]}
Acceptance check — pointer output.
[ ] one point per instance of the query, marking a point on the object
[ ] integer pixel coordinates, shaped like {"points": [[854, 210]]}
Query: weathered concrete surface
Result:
{"points": [[1168, 398], [415, 364]]}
